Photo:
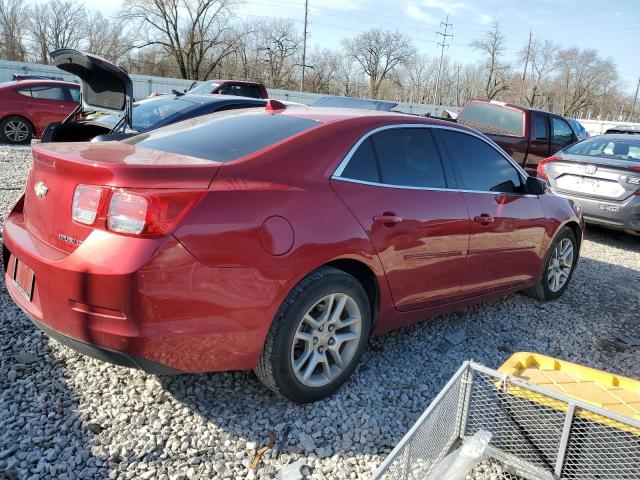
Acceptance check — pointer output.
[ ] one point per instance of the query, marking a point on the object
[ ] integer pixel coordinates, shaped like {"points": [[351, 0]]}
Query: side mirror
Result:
{"points": [[535, 186]]}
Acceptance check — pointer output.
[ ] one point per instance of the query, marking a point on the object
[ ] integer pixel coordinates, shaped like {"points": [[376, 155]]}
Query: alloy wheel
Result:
{"points": [[16, 131], [560, 265], [326, 340]]}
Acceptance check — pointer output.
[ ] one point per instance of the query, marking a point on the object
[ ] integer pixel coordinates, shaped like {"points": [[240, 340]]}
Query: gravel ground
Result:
{"points": [[68, 416]]}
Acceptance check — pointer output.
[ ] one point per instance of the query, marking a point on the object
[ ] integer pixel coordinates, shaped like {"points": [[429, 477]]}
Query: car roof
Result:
{"points": [[618, 136], [31, 83], [332, 115], [204, 98], [243, 82]]}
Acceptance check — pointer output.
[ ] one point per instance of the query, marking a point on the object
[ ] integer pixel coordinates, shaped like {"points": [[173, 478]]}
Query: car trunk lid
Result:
{"points": [[59, 168], [600, 178], [104, 86]]}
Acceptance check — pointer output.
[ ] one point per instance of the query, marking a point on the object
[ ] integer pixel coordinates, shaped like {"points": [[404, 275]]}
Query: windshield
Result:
{"points": [[148, 113], [206, 87], [607, 147]]}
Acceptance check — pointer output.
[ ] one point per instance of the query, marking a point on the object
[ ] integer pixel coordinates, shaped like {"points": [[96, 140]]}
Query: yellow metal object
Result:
{"points": [[614, 393]]}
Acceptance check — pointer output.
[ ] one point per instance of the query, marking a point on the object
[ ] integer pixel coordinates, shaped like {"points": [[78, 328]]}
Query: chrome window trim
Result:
{"points": [[428, 189], [337, 174]]}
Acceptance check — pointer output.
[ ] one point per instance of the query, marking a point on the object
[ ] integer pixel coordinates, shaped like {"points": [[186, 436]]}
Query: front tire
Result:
{"points": [[559, 266], [16, 130], [317, 338]]}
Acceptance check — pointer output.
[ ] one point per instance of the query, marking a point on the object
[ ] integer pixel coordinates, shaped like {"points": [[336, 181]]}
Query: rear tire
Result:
{"points": [[559, 266], [317, 338], [16, 130]]}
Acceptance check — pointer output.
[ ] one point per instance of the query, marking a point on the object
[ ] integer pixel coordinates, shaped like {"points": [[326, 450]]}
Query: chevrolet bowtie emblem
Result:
{"points": [[41, 189]]}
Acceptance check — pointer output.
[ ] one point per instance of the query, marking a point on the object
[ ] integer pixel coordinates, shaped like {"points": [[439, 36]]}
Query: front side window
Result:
{"points": [[404, 157], [481, 167], [562, 132]]}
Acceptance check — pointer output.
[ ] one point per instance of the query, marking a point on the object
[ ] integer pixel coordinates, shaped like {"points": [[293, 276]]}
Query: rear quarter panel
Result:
{"points": [[516, 147]]}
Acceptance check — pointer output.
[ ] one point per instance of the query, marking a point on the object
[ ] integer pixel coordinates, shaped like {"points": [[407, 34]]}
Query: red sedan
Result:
{"points": [[28, 106], [276, 240]]}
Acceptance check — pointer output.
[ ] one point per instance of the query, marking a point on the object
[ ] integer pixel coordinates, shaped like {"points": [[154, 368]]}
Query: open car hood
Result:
{"points": [[104, 86]]}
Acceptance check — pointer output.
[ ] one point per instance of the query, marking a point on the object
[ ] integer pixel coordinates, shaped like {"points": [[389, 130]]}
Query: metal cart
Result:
{"points": [[537, 432]]}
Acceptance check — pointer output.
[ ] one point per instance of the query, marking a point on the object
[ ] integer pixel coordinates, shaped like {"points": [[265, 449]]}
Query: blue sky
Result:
{"points": [[612, 28]]}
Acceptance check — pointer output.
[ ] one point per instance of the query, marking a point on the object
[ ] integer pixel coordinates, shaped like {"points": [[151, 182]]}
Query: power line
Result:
{"points": [[442, 44]]}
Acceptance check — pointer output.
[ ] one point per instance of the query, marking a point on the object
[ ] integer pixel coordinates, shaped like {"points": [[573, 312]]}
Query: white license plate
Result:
{"points": [[609, 207]]}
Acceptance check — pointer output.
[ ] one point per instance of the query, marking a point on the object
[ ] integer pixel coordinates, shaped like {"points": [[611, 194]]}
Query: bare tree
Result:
{"points": [[197, 33], [280, 47], [106, 37], [379, 52], [321, 78], [13, 22], [542, 58], [583, 79], [492, 45], [54, 25]]}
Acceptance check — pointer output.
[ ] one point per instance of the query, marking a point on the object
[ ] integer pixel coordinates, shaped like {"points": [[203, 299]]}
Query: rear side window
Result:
{"points": [[75, 94], [493, 118], [562, 132], [44, 92], [540, 126], [240, 90], [404, 157], [481, 167], [363, 164], [223, 137]]}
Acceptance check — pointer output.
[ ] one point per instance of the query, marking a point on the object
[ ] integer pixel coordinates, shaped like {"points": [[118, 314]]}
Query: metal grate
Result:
{"points": [[536, 433]]}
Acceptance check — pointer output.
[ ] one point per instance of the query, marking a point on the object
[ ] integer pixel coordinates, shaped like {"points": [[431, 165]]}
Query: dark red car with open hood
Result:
{"points": [[276, 240]]}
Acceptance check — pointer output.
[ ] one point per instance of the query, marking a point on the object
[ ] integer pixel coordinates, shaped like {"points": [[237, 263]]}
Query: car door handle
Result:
{"points": [[484, 219], [387, 219]]}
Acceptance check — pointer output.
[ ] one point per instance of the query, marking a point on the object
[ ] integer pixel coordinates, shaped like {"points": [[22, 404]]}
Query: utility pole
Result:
{"points": [[635, 100], [526, 64], [304, 44], [458, 85], [444, 44]]}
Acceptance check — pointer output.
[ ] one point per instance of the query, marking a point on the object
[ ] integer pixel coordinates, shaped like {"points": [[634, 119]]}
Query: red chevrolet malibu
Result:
{"points": [[276, 240]]}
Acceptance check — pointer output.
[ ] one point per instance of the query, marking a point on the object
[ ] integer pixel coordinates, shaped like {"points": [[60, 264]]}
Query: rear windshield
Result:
{"points": [[223, 137], [492, 118], [619, 149], [149, 112]]}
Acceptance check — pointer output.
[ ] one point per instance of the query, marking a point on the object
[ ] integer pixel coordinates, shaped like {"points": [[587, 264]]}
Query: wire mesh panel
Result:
{"points": [[535, 433], [431, 438]]}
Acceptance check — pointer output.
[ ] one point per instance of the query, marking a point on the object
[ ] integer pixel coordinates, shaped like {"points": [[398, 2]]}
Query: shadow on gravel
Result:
{"points": [[613, 238], [41, 436], [405, 369]]}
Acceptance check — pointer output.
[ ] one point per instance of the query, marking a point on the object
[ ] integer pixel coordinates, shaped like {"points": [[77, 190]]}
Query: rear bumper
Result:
{"points": [[602, 212], [144, 303], [111, 356]]}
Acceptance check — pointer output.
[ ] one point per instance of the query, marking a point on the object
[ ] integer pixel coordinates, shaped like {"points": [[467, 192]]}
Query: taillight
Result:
{"points": [[149, 213], [541, 171], [127, 213], [86, 202]]}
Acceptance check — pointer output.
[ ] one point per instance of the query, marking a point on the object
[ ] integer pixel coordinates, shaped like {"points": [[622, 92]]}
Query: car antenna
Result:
{"points": [[274, 105]]}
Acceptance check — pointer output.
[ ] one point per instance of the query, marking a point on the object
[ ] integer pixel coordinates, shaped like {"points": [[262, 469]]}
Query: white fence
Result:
{"points": [[143, 85]]}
